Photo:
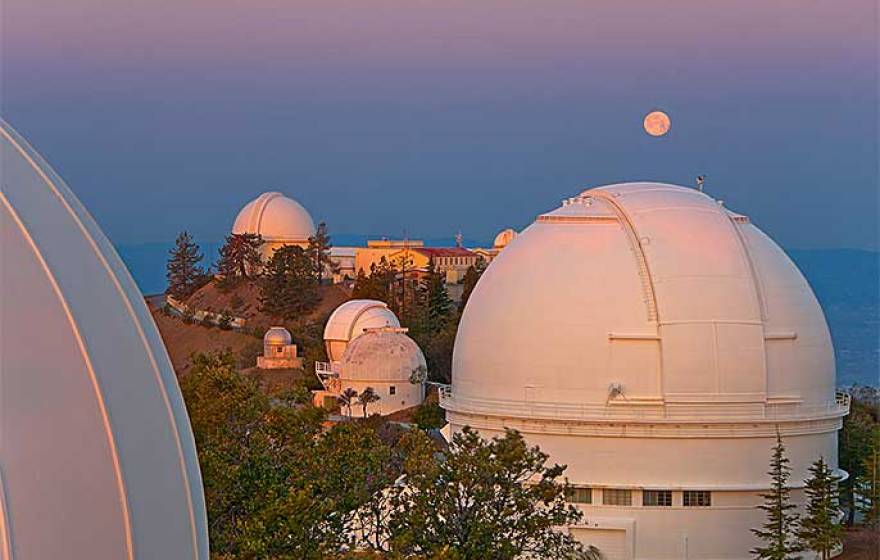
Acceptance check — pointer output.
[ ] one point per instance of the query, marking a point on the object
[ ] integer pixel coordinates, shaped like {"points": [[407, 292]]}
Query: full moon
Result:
{"points": [[657, 123]]}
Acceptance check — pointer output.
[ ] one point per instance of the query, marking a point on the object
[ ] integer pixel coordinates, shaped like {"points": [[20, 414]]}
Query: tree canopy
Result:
{"points": [[239, 257], [481, 499], [288, 286]]}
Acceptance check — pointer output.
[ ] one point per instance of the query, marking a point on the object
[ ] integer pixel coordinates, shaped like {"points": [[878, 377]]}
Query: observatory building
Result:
{"points": [[389, 362], [367, 348], [658, 362], [279, 352], [350, 320], [502, 240], [97, 459], [279, 219]]}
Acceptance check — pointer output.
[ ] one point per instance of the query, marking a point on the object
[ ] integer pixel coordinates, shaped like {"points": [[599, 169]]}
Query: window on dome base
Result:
{"points": [[697, 498], [657, 498], [616, 497], [577, 495]]}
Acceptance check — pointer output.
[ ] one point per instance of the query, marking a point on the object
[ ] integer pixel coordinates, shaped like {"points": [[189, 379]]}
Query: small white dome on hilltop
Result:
{"points": [[277, 336], [504, 238], [276, 217], [350, 319]]}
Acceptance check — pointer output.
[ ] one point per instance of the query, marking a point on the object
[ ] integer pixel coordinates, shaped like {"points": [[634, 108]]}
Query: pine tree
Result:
{"points": [[778, 530], [868, 485], [183, 271], [469, 282], [288, 287], [240, 257], [435, 299], [319, 252], [819, 530], [377, 284]]}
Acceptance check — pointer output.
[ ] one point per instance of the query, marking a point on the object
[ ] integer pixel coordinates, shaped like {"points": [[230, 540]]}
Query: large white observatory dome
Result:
{"points": [[592, 291], [277, 218], [351, 319], [97, 459], [656, 343]]}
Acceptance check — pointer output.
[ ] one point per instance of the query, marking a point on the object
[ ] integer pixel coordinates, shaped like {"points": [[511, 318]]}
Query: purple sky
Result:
{"points": [[381, 116]]}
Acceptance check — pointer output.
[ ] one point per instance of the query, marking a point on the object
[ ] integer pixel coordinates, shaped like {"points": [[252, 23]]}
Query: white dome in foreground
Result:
{"points": [[351, 319], [277, 218], [96, 454], [652, 341]]}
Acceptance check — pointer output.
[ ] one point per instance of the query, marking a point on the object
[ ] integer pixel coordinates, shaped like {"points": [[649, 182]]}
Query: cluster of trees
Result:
{"points": [[423, 305], [349, 397], [278, 484], [785, 532], [859, 446], [288, 281]]}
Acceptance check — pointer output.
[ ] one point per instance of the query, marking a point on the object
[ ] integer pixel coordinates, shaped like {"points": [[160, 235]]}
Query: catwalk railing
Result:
{"points": [[660, 411]]}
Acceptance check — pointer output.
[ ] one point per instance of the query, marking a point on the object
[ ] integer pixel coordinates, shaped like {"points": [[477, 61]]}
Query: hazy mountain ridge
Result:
{"points": [[846, 281]]}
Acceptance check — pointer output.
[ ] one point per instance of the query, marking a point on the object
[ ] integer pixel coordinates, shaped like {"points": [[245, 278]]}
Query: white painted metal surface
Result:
{"points": [[97, 460]]}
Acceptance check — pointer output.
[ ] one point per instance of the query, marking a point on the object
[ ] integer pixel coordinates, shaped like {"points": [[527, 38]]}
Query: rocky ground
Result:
{"points": [[861, 544]]}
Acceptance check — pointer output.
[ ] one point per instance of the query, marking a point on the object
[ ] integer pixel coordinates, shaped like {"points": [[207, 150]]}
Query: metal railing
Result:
{"points": [[325, 368], [668, 411]]}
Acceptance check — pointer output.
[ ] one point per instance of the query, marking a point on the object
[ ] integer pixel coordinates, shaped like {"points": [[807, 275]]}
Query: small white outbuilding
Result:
{"points": [[279, 351]]}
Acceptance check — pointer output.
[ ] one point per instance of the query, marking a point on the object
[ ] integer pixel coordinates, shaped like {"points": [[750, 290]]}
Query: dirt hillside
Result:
{"points": [[244, 301], [182, 340]]}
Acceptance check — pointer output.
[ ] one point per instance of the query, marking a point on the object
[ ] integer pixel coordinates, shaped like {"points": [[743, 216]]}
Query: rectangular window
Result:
{"points": [[392, 390], [657, 498], [616, 497], [579, 495], [697, 498]]}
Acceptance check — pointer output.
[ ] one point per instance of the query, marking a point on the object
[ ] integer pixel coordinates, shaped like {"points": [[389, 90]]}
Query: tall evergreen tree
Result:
{"points": [[319, 252], [240, 257], [819, 530], [471, 277], [288, 287], [868, 483], [435, 299], [778, 531], [182, 270]]}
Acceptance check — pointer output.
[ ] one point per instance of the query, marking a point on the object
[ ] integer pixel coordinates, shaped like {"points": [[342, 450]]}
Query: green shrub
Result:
{"points": [[429, 416], [225, 321]]}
